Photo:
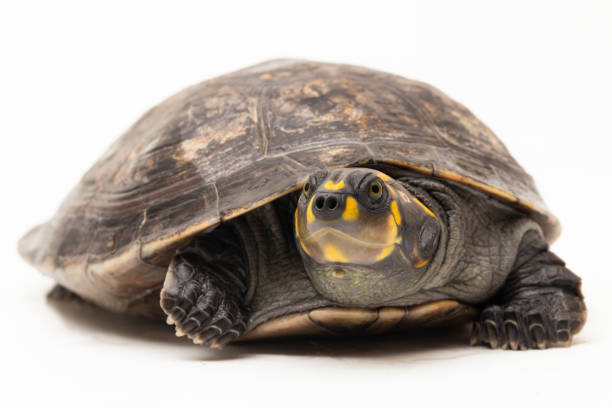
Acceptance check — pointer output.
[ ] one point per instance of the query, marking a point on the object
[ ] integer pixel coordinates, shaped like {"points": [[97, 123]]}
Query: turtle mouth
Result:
{"points": [[335, 234], [332, 227], [329, 245]]}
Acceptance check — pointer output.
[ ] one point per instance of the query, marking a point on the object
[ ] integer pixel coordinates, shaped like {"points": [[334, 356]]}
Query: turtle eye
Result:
{"points": [[375, 190], [306, 189]]}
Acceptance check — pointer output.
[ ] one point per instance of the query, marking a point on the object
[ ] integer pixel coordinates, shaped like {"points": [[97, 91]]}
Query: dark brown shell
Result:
{"points": [[230, 144]]}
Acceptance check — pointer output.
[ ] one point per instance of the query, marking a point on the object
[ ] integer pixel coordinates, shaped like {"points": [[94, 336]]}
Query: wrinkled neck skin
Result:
{"points": [[443, 268], [478, 245]]}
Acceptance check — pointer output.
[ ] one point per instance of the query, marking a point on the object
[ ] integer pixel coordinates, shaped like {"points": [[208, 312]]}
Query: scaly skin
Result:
{"points": [[204, 291], [539, 306]]}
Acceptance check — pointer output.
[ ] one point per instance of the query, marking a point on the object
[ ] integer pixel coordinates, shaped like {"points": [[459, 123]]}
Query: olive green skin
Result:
{"points": [[226, 146]]}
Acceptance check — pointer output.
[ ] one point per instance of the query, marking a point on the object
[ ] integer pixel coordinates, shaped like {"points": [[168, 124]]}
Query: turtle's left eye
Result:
{"points": [[306, 189], [375, 189]]}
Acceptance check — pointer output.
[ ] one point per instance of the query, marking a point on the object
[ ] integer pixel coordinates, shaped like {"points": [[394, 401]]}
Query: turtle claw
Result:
{"points": [[206, 336], [227, 323], [525, 324], [564, 336], [490, 328], [511, 334], [511, 327], [537, 334], [201, 309], [474, 337], [227, 337], [492, 333]]}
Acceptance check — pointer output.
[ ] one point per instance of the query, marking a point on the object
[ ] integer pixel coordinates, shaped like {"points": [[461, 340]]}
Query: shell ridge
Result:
{"points": [[262, 125]]}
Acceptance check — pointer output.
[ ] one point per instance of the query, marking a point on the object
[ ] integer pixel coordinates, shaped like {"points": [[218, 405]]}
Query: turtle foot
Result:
{"points": [[200, 308], [528, 323]]}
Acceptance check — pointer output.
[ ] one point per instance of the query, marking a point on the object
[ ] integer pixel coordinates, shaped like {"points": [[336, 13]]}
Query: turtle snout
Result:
{"points": [[328, 206]]}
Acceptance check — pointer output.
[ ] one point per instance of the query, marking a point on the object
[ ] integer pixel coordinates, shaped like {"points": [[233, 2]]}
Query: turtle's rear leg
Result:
{"points": [[205, 287], [539, 306]]}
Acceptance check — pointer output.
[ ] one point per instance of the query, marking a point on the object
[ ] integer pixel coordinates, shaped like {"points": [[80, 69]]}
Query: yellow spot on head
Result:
{"points": [[331, 186], [422, 263], [338, 273], [392, 226], [384, 177], [309, 215], [385, 252], [392, 190], [427, 210], [333, 254], [303, 246], [396, 214], [351, 212]]}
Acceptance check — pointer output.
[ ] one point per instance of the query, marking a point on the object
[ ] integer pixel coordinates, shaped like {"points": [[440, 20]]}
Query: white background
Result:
{"points": [[73, 76]]}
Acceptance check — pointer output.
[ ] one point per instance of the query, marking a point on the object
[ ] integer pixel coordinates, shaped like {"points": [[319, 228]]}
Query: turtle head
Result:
{"points": [[365, 240]]}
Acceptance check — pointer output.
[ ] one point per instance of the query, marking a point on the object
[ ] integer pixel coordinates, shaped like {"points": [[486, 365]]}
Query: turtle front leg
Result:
{"points": [[539, 306], [205, 287]]}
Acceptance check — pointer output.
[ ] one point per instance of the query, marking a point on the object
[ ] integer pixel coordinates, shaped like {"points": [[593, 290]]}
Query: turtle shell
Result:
{"points": [[225, 146]]}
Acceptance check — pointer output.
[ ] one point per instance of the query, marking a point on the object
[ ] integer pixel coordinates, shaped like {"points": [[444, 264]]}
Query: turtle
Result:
{"points": [[299, 198]]}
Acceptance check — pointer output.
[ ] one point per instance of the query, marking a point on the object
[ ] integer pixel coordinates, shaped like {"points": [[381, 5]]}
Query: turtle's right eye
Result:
{"points": [[306, 189], [375, 190]]}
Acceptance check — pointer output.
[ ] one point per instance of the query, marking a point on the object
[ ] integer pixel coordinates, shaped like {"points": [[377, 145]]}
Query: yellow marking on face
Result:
{"points": [[427, 210], [385, 252], [333, 254], [392, 190], [422, 263], [296, 219], [309, 215], [392, 225], [303, 247], [331, 186], [396, 213], [338, 273], [384, 177], [351, 212]]}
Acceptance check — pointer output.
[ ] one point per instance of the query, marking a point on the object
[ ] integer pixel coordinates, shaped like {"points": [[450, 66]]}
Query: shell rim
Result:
{"points": [[547, 221]]}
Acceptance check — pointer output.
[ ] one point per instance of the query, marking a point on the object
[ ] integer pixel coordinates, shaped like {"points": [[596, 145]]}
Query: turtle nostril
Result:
{"points": [[319, 203], [332, 203]]}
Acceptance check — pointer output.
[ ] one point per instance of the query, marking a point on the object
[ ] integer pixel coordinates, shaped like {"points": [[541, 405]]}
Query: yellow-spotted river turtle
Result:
{"points": [[297, 198]]}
